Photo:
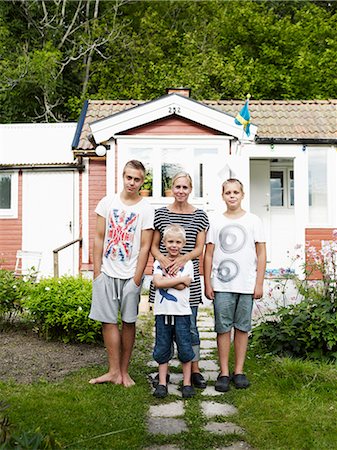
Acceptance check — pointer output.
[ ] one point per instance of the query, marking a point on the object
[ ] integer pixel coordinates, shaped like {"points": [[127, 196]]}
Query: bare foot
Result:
{"points": [[128, 381], [107, 378]]}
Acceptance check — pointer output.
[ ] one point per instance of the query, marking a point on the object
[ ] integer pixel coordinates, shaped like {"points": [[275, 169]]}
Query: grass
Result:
{"points": [[291, 404]]}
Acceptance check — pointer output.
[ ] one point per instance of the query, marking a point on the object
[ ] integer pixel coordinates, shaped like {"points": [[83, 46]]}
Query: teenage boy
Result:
{"points": [[123, 237], [234, 268], [173, 313]]}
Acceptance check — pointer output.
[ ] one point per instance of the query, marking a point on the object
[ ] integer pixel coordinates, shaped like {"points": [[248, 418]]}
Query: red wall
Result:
{"points": [[172, 126], [314, 238], [11, 234]]}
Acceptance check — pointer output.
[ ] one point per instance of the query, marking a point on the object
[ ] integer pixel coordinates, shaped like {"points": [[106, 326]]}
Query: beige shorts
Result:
{"points": [[111, 295]]}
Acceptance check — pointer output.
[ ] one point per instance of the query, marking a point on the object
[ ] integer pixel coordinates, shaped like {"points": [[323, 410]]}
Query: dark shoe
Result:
{"points": [[160, 391], [155, 380], [198, 381], [187, 391], [222, 383], [240, 381]]}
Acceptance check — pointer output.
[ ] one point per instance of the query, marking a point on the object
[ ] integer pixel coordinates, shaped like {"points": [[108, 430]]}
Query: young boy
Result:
{"points": [[123, 237], [234, 268], [172, 313]]}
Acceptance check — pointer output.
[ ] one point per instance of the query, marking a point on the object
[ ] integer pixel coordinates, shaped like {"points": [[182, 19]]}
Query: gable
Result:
{"points": [[172, 126], [172, 105]]}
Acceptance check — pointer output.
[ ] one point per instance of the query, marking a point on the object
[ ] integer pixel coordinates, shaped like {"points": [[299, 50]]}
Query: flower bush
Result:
{"points": [[307, 329]]}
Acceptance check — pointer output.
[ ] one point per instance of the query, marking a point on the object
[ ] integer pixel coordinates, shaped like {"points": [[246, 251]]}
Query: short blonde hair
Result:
{"points": [[232, 180], [182, 175], [176, 230]]}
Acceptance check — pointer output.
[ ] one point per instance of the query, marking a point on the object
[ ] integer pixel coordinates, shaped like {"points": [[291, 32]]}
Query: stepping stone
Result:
{"points": [[211, 409], [206, 352], [211, 375], [241, 445], [208, 364], [173, 390], [206, 323], [207, 344], [175, 378], [174, 409], [224, 428], [211, 392], [167, 426], [207, 334]]}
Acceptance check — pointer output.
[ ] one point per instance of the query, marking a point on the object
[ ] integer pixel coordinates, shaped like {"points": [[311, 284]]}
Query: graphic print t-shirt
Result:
{"points": [[124, 224], [171, 301], [234, 257]]}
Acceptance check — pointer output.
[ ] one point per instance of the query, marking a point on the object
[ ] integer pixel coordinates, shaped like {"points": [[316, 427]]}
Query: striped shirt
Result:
{"points": [[193, 223]]}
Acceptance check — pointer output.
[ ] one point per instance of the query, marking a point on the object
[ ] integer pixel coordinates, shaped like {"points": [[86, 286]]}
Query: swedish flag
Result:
{"points": [[243, 118]]}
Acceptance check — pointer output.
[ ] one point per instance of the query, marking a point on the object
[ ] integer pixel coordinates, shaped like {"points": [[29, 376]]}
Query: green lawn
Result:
{"points": [[290, 405]]}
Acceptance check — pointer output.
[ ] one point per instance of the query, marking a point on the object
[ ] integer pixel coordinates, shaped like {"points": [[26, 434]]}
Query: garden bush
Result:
{"points": [[60, 307], [307, 329], [12, 291]]}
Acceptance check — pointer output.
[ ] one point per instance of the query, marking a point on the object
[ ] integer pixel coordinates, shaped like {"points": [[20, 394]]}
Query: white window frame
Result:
{"points": [[12, 212], [285, 169]]}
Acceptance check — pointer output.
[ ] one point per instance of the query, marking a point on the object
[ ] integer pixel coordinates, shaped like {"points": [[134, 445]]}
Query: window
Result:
{"points": [[318, 186], [8, 194], [164, 160], [282, 186]]}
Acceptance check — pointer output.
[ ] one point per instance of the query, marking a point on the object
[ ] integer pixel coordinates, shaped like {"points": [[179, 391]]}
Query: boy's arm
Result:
{"points": [[167, 282], [261, 255], [98, 244], [145, 245], [208, 260]]}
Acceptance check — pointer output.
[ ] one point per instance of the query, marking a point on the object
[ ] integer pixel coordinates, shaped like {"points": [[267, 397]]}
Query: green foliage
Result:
{"points": [[307, 329], [55, 54], [59, 308], [147, 181], [12, 290]]}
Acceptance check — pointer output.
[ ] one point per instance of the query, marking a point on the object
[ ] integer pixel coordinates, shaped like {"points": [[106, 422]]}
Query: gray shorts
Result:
{"points": [[109, 295], [232, 310]]}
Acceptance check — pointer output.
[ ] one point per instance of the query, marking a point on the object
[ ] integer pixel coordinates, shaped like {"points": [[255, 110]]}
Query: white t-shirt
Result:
{"points": [[124, 225], [171, 301], [234, 257]]}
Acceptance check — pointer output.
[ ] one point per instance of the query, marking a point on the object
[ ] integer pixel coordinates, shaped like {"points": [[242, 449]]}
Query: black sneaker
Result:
{"points": [[240, 381], [160, 391], [155, 380], [198, 381], [187, 391], [222, 383]]}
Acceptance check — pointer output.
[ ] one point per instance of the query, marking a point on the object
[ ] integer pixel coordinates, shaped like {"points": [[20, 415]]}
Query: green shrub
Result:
{"points": [[307, 329], [12, 291], [60, 307]]}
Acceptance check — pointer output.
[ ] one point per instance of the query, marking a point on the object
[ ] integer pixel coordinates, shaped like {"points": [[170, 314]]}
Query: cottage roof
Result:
{"points": [[276, 119]]}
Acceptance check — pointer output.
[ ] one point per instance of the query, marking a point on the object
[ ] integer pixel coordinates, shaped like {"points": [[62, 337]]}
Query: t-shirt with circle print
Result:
{"points": [[234, 258]]}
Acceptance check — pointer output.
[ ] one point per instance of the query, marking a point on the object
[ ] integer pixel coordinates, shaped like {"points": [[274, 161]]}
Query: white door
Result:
{"points": [[48, 219], [272, 199], [260, 196]]}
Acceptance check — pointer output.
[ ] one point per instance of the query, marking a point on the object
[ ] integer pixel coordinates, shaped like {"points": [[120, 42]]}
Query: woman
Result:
{"points": [[195, 223]]}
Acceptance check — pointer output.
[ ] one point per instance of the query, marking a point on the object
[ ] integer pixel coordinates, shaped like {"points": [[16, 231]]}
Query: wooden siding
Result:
{"points": [[314, 238], [172, 126], [97, 190], [11, 234]]}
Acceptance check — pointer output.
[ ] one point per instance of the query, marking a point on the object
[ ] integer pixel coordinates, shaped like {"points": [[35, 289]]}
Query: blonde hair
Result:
{"points": [[176, 230], [135, 164], [232, 180], [182, 175]]}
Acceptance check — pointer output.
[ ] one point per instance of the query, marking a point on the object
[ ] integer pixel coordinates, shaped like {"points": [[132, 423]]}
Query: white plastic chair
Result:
{"points": [[27, 264]]}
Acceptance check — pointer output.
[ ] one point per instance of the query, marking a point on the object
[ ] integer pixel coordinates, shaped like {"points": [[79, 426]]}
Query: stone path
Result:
{"points": [[168, 418]]}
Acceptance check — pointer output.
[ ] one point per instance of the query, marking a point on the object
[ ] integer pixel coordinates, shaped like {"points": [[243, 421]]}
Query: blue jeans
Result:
{"points": [[171, 329]]}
